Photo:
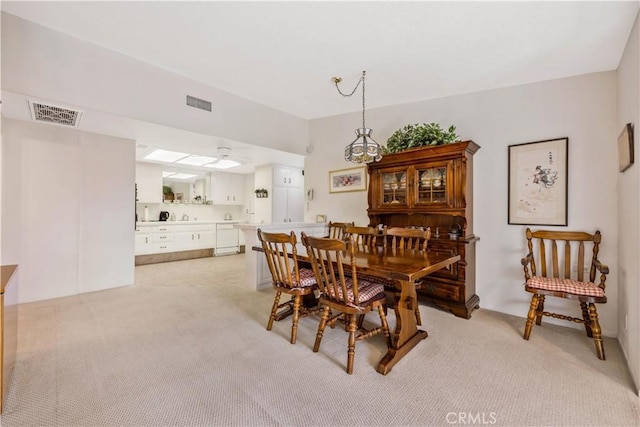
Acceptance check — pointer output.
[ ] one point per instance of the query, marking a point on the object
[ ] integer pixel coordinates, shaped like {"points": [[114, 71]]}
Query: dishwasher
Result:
{"points": [[227, 239]]}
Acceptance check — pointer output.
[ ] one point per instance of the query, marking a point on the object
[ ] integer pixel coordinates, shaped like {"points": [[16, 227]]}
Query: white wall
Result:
{"points": [[582, 108], [628, 208], [263, 178], [68, 209], [131, 88]]}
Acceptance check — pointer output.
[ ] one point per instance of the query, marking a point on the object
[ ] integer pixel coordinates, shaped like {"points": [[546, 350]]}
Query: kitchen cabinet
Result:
{"points": [[149, 182], [174, 237], [143, 243], [227, 188], [162, 239], [432, 187], [206, 239], [287, 176], [288, 204], [193, 237], [288, 194]]}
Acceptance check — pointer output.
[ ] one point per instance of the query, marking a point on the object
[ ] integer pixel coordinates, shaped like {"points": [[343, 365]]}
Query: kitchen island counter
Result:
{"points": [[257, 275]]}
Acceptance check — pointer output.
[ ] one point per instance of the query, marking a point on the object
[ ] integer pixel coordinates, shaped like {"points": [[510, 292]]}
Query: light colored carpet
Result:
{"points": [[187, 345]]}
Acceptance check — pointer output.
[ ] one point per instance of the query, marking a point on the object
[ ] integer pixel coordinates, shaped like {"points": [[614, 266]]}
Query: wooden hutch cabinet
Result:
{"points": [[432, 187]]}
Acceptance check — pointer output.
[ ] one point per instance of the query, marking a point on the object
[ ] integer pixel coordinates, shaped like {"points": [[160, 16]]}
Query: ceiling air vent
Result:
{"points": [[42, 112], [202, 104]]}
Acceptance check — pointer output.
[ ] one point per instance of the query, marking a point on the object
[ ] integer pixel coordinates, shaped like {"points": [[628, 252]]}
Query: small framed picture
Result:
{"points": [[343, 180], [321, 218], [179, 197], [625, 148]]}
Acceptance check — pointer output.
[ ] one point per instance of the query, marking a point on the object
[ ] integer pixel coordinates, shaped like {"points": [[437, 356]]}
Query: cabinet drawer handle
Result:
{"points": [[163, 229], [146, 240], [193, 237], [198, 236], [163, 237]]}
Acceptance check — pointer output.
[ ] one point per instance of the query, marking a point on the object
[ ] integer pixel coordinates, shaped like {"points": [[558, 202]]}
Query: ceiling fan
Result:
{"points": [[225, 160]]}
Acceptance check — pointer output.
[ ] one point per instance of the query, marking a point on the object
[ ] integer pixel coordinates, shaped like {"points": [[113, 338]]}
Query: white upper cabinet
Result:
{"points": [[288, 194], [227, 188], [149, 182], [287, 176]]}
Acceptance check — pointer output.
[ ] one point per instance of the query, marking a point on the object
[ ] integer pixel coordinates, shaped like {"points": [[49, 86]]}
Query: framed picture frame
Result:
{"points": [[625, 148], [344, 180], [538, 182], [321, 218]]}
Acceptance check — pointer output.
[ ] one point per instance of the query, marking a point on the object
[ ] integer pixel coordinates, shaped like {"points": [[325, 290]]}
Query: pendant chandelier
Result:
{"points": [[364, 148]]}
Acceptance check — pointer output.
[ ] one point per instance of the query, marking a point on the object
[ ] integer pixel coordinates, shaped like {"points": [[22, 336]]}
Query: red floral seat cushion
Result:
{"points": [[388, 283], [366, 292], [565, 285], [307, 278]]}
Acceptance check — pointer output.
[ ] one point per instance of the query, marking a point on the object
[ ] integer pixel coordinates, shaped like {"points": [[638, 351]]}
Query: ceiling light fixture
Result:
{"points": [[165, 156], [364, 148], [183, 176], [195, 160], [222, 164]]}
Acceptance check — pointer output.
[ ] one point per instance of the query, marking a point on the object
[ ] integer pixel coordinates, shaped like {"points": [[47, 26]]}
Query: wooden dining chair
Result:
{"points": [[555, 271], [406, 238], [401, 239], [337, 229], [344, 295], [287, 277], [364, 238]]}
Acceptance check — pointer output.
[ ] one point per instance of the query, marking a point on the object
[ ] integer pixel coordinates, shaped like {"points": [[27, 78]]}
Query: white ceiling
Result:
{"points": [[283, 54]]}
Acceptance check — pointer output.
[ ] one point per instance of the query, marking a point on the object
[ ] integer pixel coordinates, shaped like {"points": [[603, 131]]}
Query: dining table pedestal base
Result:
{"points": [[406, 334], [396, 353]]}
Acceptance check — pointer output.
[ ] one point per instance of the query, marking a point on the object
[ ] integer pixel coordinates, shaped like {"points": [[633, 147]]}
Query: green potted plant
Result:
{"points": [[167, 192], [420, 135]]}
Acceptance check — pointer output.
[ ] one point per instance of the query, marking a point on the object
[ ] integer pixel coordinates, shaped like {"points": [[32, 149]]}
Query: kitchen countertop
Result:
{"points": [[199, 222]]}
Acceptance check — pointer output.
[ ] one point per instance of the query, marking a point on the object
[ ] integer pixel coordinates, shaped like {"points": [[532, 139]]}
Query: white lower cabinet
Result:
{"points": [[143, 242], [184, 240], [162, 239], [194, 237], [174, 238], [206, 239]]}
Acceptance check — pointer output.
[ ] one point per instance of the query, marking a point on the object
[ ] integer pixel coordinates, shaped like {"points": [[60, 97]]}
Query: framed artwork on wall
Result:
{"points": [[343, 180], [625, 148], [538, 182]]}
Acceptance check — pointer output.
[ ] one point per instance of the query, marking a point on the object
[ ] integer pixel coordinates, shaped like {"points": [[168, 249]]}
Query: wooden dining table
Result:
{"points": [[404, 267]]}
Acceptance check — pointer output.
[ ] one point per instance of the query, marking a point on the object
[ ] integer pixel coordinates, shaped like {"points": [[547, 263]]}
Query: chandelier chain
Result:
{"points": [[364, 148], [337, 80]]}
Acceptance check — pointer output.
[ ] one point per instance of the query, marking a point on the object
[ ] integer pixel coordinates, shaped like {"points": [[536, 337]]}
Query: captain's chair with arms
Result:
{"points": [[550, 274]]}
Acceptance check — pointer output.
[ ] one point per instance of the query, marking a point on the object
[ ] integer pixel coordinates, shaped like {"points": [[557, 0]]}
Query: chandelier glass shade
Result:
{"points": [[364, 148]]}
